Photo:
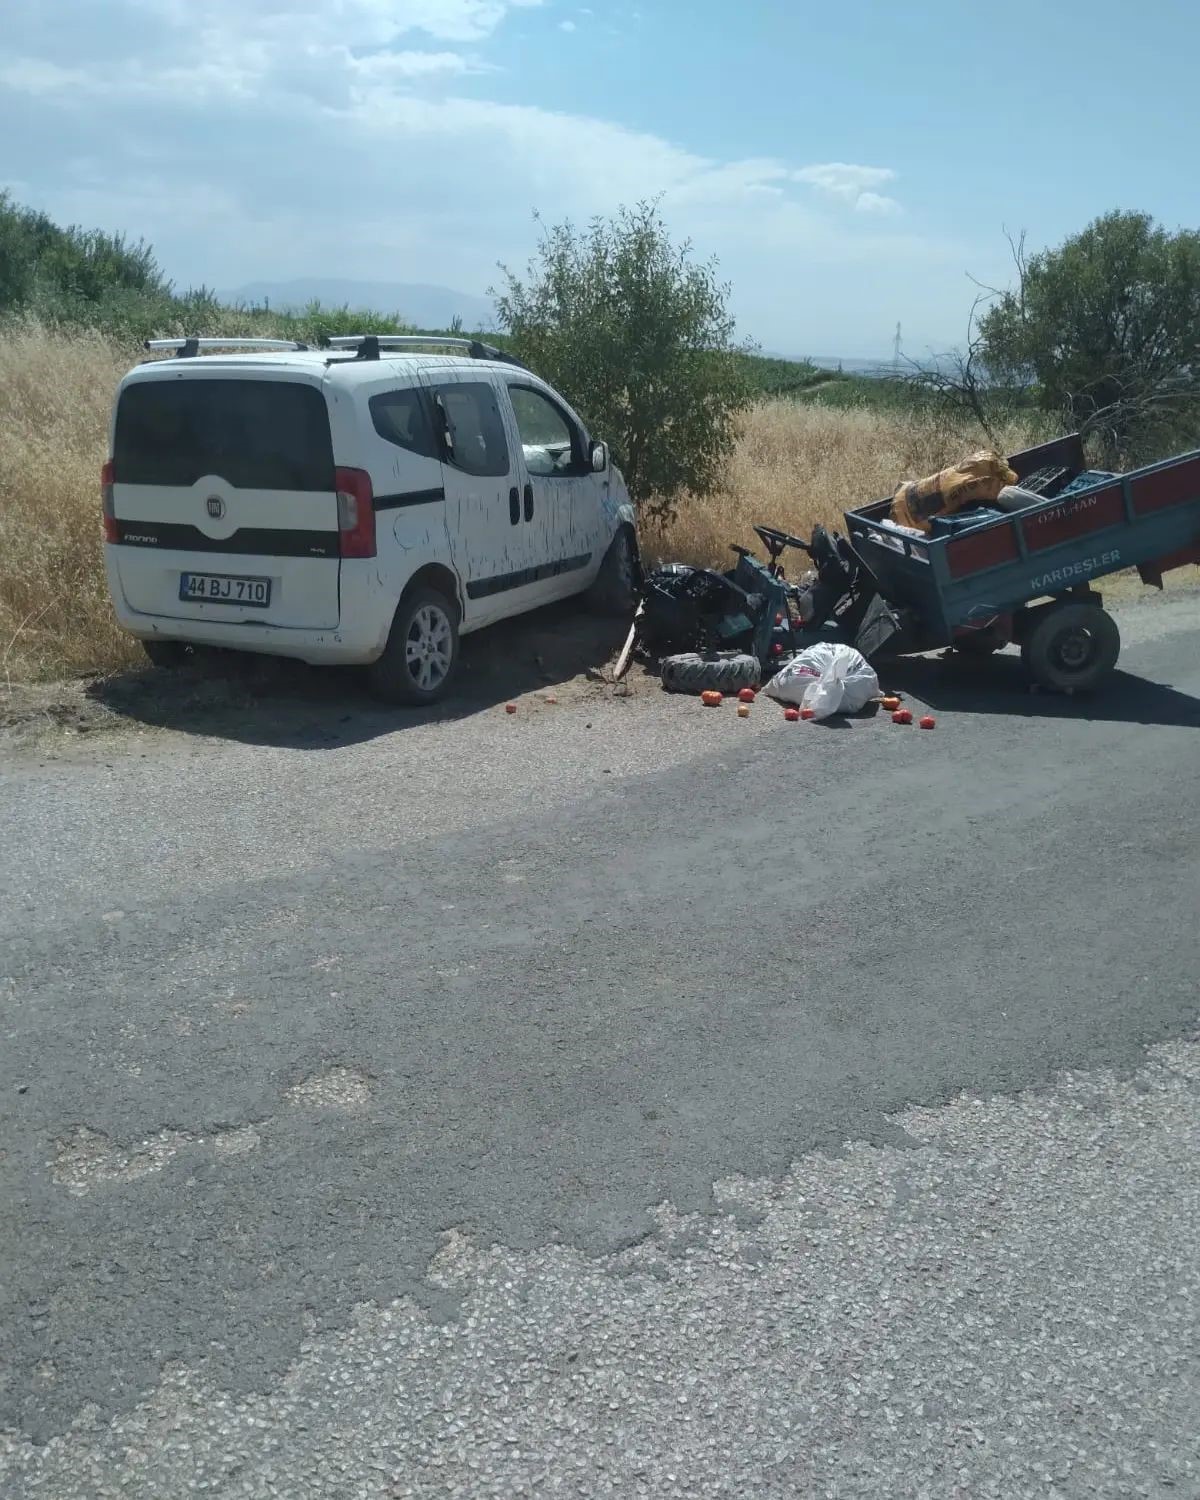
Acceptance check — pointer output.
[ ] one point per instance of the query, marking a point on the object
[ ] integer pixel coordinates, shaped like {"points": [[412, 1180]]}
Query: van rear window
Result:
{"points": [[254, 434]]}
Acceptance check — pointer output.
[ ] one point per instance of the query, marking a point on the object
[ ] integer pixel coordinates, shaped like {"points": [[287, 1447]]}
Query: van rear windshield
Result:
{"points": [[254, 434]]}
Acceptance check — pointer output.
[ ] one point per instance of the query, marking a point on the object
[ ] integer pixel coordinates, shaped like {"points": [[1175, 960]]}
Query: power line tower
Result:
{"points": [[896, 349]]}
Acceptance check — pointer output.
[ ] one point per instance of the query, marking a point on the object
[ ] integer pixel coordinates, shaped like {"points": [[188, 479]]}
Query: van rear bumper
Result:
{"points": [[359, 637]]}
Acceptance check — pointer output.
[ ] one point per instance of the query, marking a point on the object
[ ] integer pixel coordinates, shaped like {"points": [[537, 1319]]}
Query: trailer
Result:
{"points": [[1029, 577]]}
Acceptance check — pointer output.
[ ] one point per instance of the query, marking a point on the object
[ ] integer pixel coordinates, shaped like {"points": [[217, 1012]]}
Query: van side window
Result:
{"points": [[472, 429], [550, 442], [402, 417]]}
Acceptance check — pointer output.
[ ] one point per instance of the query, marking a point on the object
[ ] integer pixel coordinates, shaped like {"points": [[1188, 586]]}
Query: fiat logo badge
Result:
{"points": [[216, 507]]}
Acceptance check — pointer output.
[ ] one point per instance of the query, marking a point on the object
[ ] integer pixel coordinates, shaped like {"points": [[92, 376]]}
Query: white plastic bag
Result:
{"points": [[795, 677], [828, 678]]}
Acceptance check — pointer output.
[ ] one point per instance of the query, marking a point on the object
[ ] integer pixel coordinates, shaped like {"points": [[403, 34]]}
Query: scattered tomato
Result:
{"points": [[928, 722], [510, 708], [807, 713], [902, 716], [791, 715], [746, 694], [711, 698]]}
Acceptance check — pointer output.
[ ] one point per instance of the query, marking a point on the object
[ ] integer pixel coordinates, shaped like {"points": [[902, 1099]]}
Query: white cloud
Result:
{"points": [[399, 67], [876, 203], [317, 48], [35, 75], [567, 26], [843, 178], [356, 23], [224, 130], [852, 184]]}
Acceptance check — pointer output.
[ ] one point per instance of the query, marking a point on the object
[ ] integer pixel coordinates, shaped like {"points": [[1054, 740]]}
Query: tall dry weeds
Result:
{"points": [[799, 465], [56, 393], [794, 465]]}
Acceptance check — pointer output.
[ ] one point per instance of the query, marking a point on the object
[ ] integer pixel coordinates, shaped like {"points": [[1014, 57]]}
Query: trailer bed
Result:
{"points": [[1148, 519]]}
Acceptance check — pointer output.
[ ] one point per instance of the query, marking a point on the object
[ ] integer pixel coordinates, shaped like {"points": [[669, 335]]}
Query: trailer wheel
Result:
{"points": [[1071, 647]]}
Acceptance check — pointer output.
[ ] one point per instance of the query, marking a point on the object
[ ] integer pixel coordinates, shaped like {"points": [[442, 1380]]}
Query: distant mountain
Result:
{"points": [[414, 302], [853, 366], [849, 366]]}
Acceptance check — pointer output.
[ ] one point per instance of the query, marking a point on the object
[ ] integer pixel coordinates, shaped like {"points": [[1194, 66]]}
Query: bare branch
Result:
{"points": [[959, 378]]}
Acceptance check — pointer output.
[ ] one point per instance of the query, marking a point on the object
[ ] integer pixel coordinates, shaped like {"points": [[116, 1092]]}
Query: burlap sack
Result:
{"points": [[975, 481]]}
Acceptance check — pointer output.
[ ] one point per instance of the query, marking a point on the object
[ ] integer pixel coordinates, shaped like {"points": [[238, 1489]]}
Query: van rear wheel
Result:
{"points": [[165, 653], [421, 656]]}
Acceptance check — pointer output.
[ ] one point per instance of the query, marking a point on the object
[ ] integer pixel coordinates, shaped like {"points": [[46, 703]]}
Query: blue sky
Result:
{"points": [[848, 163]]}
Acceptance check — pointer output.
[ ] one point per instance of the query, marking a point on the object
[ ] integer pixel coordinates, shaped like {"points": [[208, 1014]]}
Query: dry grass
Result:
{"points": [[56, 393], [795, 465]]}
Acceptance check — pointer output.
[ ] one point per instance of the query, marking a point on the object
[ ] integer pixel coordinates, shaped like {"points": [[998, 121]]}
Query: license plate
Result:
{"points": [[224, 588]]}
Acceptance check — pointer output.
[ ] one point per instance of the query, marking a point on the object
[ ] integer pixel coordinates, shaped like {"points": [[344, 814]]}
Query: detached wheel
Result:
{"points": [[1071, 647], [693, 673], [615, 590], [421, 656], [166, 654]]}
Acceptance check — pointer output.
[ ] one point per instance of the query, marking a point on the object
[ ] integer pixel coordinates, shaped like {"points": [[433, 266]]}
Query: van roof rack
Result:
{"points": [[188, 348], [369, 345]]}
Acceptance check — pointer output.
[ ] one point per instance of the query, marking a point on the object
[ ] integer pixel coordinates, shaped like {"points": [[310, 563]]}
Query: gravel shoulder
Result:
{"points": [[333, 1070], [556, 653], [1003, 1304]]}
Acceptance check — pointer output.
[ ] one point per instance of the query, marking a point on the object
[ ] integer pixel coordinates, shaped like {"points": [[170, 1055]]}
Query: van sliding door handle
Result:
{"points": [[529, 502], [514, 505]]}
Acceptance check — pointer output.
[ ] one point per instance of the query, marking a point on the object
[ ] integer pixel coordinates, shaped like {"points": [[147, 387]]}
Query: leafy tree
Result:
{"points": [[18, 253], [1107, 328], [637, 335], [67, 273]]}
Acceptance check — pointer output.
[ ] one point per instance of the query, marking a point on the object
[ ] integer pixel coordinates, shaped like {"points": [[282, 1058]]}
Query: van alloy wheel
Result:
{"points": [[420, 658], [429, 648]]}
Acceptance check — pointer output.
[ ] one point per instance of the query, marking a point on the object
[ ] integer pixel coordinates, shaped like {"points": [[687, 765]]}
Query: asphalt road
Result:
{"points": [[614, 1098]]}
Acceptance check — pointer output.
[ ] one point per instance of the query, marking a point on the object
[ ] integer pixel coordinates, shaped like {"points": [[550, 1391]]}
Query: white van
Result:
{"points": [[364, 503]]}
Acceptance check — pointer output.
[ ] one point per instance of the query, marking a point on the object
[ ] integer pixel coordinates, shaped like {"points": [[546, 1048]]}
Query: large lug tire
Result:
{"points": [[421, 656], [166, 654], [692, 673], [1071, 647], [617, 584]]}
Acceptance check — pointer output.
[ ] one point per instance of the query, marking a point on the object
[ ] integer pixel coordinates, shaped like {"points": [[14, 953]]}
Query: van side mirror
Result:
{"points": [[599, 458]]}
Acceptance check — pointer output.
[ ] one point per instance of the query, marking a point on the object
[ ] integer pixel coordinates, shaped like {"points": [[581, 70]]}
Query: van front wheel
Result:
{"points": [[421, 655], [618, 583]]}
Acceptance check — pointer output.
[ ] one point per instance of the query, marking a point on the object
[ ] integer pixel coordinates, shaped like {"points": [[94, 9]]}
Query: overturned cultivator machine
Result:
{"points": [[1012, 558]]}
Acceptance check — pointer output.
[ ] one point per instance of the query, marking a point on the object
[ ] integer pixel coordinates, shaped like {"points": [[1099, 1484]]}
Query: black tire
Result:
{"points": [[1071, 647], [166, 654], [421, 656], [692, 673], [615, 588]]}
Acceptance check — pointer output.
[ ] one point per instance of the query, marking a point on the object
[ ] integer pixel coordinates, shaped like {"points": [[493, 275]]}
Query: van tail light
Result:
{"points": [[356, 512], [107, 508]]}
